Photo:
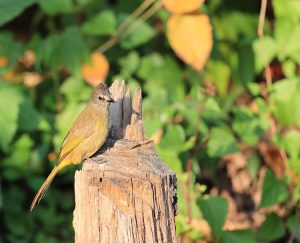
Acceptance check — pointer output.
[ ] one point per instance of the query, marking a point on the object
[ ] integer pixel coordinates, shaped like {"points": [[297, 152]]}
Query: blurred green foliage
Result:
{"points": [[196, 119]]}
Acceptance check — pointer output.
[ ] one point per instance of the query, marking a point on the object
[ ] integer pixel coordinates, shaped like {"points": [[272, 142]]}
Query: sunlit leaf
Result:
{"points": [[264, 50], [96, 71], [285, 95], [190, 36], [179, 6], [103, 23]]}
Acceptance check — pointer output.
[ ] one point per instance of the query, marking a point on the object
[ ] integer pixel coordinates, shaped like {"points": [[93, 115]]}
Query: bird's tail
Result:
{"points": [[44, 187]]}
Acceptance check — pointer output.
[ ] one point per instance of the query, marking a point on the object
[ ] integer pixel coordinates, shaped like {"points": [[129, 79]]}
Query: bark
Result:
{"points": [[126, 193]]}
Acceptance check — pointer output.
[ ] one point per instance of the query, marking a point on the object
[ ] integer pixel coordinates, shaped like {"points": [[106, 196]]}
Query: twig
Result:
{"points": [[189, 170], [136, 18], [143, 18], [260, 32]]}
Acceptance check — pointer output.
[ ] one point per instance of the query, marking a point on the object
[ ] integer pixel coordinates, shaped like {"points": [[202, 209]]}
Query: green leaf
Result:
{"points": [[232, 25], [212, 111], [289, 68], [272, 228], [140, 35], [293, 224], [248, 125], [219, 72], [173, 139], [103, 23], [11, 49], [164, 76], [214, 210], [246, 62], [152, 125], [129, 64], [288, 8], [265, 51], [150, 63], [287, 31], [67, 50], [171, 159], [221, 142], [238, 236], [75, 90], [10, 99], [30, 119], [10, 9], [274, 191], [284, 89], [254, 88], [53, 7], [285, 98], [22, 151], [291, 143]]}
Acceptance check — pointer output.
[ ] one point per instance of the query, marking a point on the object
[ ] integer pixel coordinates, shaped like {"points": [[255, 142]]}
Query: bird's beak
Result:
{"points": [[110, 99]]}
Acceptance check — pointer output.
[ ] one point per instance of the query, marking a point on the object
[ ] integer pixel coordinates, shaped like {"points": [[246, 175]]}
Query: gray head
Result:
{"points": [[101, 96]]}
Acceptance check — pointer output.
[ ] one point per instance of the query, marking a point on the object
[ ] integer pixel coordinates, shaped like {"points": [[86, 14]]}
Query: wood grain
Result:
{"points": [[126, 193]]}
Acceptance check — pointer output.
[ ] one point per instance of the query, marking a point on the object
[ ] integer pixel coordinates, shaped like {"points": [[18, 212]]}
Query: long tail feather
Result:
{"points": [[44, 187]]}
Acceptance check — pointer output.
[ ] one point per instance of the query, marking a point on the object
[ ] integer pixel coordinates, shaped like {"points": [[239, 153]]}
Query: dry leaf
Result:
{"points": [[96, 71], [190, 36], [3, 61], [180, 6], [31, 79], [13, 75], [273, 158], [28, 59]]}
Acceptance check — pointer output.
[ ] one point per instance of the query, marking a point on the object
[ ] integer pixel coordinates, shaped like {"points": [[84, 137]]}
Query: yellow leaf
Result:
{"points": [[181, 6], [96, 71], [190, 36]]}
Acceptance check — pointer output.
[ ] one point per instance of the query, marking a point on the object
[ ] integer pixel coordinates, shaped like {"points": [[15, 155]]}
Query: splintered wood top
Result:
{"points": [[127, 151], [125, 116]]}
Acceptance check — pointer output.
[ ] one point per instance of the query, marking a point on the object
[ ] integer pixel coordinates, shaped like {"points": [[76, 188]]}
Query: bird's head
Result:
{"points": [[101, 95]]}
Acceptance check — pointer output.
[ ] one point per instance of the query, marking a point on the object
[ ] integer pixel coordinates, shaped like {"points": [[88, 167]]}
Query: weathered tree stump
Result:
{"points": [[127, 194]]}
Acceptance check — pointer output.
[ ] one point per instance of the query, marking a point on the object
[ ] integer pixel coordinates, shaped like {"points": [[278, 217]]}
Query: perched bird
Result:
{"points": [[87, 134]]}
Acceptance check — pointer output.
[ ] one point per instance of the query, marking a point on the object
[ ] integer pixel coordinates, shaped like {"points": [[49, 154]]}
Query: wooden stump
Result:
{"points": [[127, 194]]}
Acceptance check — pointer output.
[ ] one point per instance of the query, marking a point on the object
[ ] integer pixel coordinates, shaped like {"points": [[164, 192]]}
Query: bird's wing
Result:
{"points": [[83, 127]]}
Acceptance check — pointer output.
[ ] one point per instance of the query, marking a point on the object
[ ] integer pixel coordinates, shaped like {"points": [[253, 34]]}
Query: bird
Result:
{"points": [[86, 136]]}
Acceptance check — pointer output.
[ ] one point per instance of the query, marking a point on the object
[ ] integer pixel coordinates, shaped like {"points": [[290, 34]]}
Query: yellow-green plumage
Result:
{"points": [[87, 134]]}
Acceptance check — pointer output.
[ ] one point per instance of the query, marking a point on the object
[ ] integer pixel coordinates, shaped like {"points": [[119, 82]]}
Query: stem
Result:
{"points": [[135, 18], [189, 170], [260, 32]]}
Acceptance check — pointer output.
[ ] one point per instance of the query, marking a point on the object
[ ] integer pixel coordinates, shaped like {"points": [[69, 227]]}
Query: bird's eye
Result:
{"points": [[100, 98]]}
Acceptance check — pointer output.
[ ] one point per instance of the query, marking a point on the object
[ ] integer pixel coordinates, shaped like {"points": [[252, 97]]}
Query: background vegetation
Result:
{"points": [[228, 126]]}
